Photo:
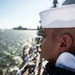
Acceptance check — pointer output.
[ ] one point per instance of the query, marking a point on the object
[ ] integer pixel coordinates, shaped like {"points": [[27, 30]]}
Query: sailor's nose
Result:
{"points": [[41, 39]]}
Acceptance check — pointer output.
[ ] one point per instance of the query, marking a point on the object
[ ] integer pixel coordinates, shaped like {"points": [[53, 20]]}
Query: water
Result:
{"points": [[11, 46]]}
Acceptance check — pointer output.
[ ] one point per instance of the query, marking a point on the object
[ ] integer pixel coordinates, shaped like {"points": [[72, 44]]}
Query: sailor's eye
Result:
{"points": [[43, 35]]}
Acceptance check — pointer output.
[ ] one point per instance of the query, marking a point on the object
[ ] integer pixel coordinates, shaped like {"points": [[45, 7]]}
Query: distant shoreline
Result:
{"points": [[23, 29]]}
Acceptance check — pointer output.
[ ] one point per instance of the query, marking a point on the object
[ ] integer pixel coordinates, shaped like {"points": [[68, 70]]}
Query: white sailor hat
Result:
{"points": [[60, 17]]}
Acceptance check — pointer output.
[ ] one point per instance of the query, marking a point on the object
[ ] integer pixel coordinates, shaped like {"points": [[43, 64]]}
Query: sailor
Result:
{"points": [[58, 40]]}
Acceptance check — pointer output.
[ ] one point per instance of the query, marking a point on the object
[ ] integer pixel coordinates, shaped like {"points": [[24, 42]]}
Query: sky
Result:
{"points": [[25, 13]]}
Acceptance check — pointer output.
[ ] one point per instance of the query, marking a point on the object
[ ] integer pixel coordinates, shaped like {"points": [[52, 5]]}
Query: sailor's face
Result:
{"points": [[49, 44]]}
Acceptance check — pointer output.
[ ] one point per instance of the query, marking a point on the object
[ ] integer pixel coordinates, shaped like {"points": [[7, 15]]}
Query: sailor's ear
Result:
{"points": [[66, 42]]}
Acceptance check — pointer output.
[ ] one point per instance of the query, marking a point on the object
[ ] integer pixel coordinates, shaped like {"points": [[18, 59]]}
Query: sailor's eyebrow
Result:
{"points": [[43, 32]]}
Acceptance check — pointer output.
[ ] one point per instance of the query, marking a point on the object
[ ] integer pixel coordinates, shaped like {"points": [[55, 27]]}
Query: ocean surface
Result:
{"points": [[11, 47]]}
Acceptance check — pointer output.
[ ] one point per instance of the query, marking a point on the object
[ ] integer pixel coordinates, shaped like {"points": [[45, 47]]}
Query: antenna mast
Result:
{"points": [[55, 2]]}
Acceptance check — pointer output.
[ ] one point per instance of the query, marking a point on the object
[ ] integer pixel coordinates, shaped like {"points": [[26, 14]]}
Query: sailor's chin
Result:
{"points": [[39, 50]]}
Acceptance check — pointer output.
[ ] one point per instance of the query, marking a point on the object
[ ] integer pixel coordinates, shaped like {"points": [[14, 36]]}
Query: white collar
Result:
{"points": [[66, 60]]}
